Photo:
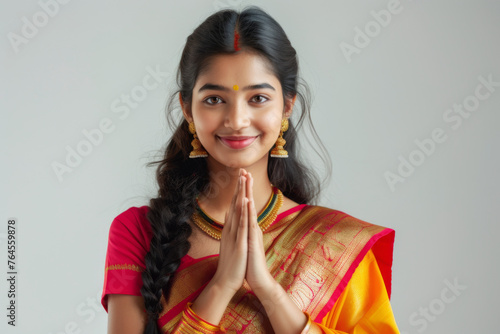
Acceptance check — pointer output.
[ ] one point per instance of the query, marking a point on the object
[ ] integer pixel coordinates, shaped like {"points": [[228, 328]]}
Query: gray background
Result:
{"points": [[369, 109]]}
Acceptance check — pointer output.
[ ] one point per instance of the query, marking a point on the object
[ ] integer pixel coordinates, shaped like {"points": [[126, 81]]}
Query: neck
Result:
{"points": [[223, 181]]}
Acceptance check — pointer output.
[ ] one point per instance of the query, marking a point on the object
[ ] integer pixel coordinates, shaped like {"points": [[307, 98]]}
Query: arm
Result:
{"points": [[126, 314], [121, 298], [363, 306]]}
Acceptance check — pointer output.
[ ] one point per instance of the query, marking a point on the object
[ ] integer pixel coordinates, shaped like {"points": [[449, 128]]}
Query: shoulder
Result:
{"points": [[338, 226], [133, 213], [328, 216], [337, 235], [132, 224], [354, 237], [133, 217]]}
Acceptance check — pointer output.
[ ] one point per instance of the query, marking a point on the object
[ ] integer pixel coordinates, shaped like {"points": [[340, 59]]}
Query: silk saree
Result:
{"points": [[335, 267]]}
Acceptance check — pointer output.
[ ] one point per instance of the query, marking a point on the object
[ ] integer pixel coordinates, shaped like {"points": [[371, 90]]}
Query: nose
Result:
{"points": [[237, 116]]}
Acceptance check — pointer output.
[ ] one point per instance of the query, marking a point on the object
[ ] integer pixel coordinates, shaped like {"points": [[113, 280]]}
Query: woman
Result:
{"points": [[278, 264]]}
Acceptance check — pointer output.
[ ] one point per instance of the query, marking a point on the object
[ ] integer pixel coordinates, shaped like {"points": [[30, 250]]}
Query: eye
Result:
{"points": [[212, 100], [259, 99]]}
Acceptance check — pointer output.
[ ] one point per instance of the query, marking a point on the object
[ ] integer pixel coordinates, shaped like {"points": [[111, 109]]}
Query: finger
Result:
{"points": [[236, 191], [252, 212], [255, 233], [237, 188], [241, 198], [242, 190], [253, 224], [238, 205], [249, 188], [232, 207], [242, 236], [225, 228]]}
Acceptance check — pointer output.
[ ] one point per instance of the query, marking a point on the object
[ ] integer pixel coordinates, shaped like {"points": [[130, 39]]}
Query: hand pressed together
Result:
{"points": [[242, 253]]}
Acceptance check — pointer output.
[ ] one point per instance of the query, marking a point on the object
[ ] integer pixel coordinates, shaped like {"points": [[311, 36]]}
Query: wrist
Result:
{"points": [[221, 291], [269, 289], [212, 302]]}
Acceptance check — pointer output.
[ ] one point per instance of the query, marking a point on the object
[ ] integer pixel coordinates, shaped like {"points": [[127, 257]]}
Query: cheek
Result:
{"points": [[271, 124], [205, 124]]}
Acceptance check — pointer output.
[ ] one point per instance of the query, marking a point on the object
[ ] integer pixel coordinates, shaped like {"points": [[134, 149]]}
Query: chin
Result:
{"points": [[235, 161]]}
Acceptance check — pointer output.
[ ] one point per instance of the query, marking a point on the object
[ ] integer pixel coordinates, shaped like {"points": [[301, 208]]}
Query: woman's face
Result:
{"points": [[238, 96]]}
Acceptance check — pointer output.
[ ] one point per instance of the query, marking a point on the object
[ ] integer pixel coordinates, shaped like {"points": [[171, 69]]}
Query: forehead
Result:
{"points": [[243, 67]]}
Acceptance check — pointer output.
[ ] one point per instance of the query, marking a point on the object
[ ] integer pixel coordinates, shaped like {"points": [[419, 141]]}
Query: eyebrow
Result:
{"points": [[209, 86]]}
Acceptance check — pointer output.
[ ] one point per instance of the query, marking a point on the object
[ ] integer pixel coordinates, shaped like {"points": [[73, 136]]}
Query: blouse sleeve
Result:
{"points": [[363, 307], [128, 244]]}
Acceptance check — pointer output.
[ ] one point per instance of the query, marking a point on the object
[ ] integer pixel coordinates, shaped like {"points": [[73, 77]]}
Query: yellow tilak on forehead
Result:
{"points": [[236, 87]]}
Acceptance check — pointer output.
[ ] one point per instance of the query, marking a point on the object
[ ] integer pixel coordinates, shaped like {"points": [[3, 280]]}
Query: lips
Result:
{"points": [[237, 142]]}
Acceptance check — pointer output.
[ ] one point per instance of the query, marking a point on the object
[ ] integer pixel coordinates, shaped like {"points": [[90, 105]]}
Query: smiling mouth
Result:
{"points": [[237, 142]]}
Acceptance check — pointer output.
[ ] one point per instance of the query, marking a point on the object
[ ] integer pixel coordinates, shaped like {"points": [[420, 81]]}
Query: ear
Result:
{"points": [[289, 103], [186, 111]]}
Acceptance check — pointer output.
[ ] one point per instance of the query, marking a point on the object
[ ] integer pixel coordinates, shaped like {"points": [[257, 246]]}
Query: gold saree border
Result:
{"points": [[125, 266]]}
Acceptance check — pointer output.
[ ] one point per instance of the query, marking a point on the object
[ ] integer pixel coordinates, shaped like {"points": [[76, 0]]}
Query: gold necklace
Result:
{"points": [[265, 218]]}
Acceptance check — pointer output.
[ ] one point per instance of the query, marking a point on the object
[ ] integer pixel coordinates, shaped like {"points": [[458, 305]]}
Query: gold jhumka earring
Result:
{"points": [[198, 151], [278, 151]]}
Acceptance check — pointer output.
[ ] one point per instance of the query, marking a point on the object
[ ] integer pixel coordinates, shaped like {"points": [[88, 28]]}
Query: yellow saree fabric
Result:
{"points": [[363, 307]]}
